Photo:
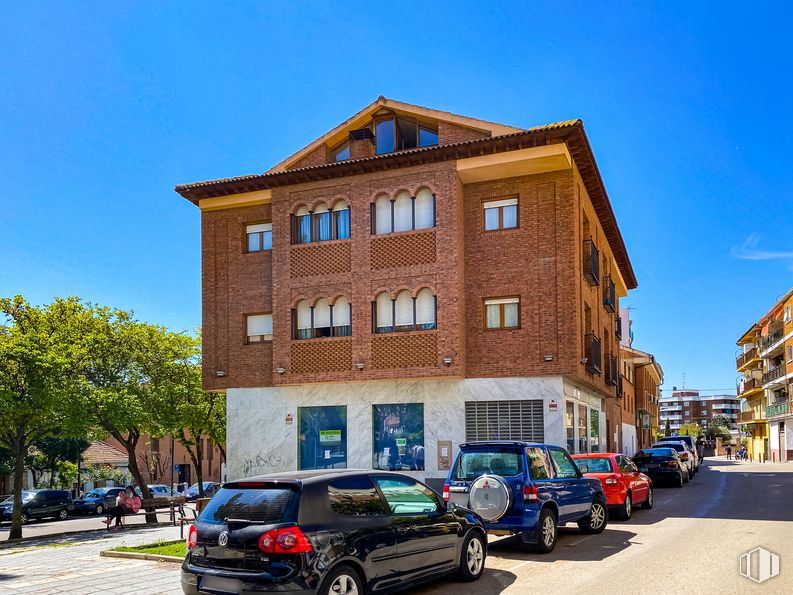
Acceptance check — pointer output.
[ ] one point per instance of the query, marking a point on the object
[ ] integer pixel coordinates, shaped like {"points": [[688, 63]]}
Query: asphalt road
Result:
{"points": [[690, 542]]}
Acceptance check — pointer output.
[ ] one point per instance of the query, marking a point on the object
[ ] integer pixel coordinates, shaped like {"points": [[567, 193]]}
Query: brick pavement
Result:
{"points": [[72, 564]]}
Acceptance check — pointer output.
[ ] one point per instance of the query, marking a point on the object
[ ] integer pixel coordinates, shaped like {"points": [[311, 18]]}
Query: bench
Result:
{"points": [[177, 511]]}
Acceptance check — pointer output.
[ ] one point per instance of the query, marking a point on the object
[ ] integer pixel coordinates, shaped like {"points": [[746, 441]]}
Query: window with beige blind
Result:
{"points": [[259, 327], [502, 313]]}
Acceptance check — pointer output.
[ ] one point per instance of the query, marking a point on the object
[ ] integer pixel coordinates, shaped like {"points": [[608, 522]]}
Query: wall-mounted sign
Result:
{"points": [[288, 419], [329, 436], [444, 455], [552, 405]]}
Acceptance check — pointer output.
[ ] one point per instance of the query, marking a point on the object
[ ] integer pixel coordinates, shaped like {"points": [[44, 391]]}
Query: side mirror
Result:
{"points": [[583, 469]]}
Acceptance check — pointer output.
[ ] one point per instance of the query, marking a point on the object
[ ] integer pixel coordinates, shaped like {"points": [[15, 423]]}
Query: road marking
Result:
{"points": [[667, 501]]}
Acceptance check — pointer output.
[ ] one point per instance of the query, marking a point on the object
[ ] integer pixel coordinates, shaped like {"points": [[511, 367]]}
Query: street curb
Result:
{"points": [[141, 556], [7, 543]]}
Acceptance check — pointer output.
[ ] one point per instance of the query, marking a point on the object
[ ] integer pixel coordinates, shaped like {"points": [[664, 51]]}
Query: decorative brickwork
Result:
{"points": [[320, 259], [321, 355], [404, 249], [414, 350]]}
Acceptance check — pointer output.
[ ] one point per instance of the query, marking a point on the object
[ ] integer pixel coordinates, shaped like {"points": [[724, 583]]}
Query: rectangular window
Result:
{"points": [[342, 223], [407, 496], [355, 496], [322, 436], [323, 226], [259, 237], [540, 467], [569, 423], [342, 153], [502, 313], [501, 214], [582, 434], [384, 136], [787, 313], [790, 353], [398, 437], [259, 327]]}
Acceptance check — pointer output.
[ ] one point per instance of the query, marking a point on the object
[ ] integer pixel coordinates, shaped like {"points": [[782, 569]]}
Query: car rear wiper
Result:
{"points": [[250, 522]]}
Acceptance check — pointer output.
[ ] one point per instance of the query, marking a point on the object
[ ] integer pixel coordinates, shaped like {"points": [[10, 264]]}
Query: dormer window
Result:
{"points": [[398, 134]]}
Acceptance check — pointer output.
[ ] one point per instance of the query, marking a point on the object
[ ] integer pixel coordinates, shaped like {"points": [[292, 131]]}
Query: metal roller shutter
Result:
{"points": [[504, 420]]}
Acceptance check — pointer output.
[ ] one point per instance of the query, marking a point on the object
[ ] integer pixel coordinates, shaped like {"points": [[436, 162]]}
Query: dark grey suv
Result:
{"points": [[39, 504]]}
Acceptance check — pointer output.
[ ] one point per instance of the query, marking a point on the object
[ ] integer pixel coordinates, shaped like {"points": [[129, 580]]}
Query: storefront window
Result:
{"points": [[398, 437], [594, 429], [582, 428], [569, 423], [322, 437]]}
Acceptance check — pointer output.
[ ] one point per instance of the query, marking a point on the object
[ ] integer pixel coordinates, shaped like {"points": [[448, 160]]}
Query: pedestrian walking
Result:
{"points": [[729, 452], [701, 451], [128, 502]]}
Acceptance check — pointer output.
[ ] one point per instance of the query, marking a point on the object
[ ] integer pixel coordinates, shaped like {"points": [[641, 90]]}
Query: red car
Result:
{"points": [[624, 485]]}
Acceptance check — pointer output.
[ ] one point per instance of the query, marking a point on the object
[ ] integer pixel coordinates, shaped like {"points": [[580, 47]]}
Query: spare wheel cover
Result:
{"points": [[490, 497]]}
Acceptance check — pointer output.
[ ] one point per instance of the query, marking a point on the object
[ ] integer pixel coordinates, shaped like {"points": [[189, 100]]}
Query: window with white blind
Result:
{"points": [[405, 313], [342, 318], [500, 214], [323, 319], [502, 313], [259, 237], [303, 320], [259, 327], [404, 213]]}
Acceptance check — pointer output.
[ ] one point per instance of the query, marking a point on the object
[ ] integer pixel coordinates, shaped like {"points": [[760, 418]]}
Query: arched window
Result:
{"points": [[302, 226], [342, 318], [323, 223], [403, 212], [425, 310], [341, 220], [384, 314], [302, 320], [404, 312], [382, 215], [425, 209], [322, 326]]}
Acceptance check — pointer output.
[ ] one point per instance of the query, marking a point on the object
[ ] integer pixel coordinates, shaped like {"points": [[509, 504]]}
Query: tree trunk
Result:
{"points": [[19, 476], [134, 469], [198, 461]]}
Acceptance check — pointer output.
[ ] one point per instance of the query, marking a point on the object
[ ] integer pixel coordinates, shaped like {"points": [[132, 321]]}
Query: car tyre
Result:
{"points": [[648, 504], [25, 518], [63, 514], [680, 482], [342, 579], [546, 532], [627, 508], [472, 558], [687, 477], [597, 519], [99, 509]]}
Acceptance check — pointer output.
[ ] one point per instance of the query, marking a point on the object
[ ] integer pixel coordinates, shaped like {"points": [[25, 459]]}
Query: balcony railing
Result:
{"points": [[777, 409], [772, 375], [747, 384], [742, 359], [618, 327], [609, 294], [592, 354], [766, 342], [746, 417], [591, 262], [612, 377]]}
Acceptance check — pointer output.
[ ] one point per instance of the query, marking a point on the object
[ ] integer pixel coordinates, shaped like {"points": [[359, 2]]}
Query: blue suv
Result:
{"points": [[527, 489]]}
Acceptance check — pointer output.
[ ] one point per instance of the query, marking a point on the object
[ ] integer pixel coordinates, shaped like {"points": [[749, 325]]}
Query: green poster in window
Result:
{"points": [[401, 441], [329, 436]]}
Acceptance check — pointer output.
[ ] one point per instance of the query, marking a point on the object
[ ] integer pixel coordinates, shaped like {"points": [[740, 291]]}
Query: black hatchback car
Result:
{"points": [[39, 504], [329, 532]]}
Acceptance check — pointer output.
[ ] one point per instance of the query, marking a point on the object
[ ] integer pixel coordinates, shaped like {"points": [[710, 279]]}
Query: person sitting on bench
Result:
{"points": [[128, 502]]}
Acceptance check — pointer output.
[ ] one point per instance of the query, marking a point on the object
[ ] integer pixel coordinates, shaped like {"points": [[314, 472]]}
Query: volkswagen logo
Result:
{"points": [[223, 539]]}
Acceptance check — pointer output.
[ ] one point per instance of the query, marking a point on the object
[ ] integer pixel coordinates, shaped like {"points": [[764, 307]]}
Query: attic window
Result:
{"points": [[398, 134], [342, 152]]}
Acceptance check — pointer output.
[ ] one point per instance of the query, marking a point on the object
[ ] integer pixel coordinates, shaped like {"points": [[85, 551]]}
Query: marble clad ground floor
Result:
{"points": [[411, 426]]}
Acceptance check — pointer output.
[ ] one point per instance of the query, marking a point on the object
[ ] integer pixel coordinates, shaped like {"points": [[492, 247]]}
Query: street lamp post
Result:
{"points": [[172, 466]]}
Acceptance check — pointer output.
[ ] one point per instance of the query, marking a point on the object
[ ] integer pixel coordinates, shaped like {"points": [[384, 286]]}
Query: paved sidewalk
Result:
{"points": [[72, 564]]}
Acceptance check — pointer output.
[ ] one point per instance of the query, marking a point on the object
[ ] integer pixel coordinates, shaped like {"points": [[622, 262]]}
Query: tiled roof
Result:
{"points": [[102, 452]]}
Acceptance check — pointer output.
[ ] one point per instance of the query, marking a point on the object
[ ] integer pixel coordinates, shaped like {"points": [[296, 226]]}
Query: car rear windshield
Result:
{"points": [[258, 505], [595, 465], [498, 461], [676, 445], [655, 452]]}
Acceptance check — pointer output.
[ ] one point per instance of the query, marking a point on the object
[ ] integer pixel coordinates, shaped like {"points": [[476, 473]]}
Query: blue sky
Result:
{"points": [[105, 108]]}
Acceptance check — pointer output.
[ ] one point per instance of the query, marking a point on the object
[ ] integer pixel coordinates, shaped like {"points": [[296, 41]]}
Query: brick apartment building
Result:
{"points": [[689, 407], [410, 280]]}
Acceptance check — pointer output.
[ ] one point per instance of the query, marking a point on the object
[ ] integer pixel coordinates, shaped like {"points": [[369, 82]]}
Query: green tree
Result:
{"points": [[40, 356], [50, 452], [690, 430]]}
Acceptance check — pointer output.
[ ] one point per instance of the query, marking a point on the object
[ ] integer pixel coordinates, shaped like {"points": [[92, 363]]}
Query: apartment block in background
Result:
{"points": [[689, 407], [410, 280], [765, 364]]}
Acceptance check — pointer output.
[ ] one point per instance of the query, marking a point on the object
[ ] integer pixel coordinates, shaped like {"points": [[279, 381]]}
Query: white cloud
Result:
{"points": [[749, 251]]}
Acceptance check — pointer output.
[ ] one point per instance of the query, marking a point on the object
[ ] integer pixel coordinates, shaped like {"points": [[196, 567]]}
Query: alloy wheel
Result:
{"points": [[628, 506], [474, 556], [548, 531], [344, 585], [650, 498], [100, 509], [598, 515], [63, 514]]}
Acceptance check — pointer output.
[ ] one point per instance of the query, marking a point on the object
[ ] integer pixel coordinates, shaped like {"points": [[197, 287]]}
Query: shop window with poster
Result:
{"points": [[322, 435], [398, 437]]}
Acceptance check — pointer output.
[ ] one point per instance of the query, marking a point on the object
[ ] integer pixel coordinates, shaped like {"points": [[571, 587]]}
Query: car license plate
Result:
{"points": [[216, 584], [652, 466]]}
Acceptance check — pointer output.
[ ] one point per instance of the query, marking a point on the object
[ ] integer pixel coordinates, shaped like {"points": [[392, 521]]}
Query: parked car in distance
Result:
{"points": [[210, 487], [661, 464], [159, 490], [526, 489], [686, 456], [689, 442], [97, 500], [624, 485], [329, 532], [39, 504]]}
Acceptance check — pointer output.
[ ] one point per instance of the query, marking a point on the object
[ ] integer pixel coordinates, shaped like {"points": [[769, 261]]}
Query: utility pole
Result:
{"points": [[172, 464]]}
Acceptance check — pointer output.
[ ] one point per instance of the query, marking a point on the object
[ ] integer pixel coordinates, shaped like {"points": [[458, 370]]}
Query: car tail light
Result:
{"points": [[670, 464], [684, 456], [611, 480], [192, 537], [446, 492], [530, 493], [285, 541]]}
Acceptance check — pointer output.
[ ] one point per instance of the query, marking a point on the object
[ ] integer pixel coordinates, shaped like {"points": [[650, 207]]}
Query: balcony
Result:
{"points": [[592, 354], [748, 385], [745, 358], [612, 377], [591, 263], [747, 417], [618, 327], [769, 341], [782, 408], [774, 374], [609, 294]]}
